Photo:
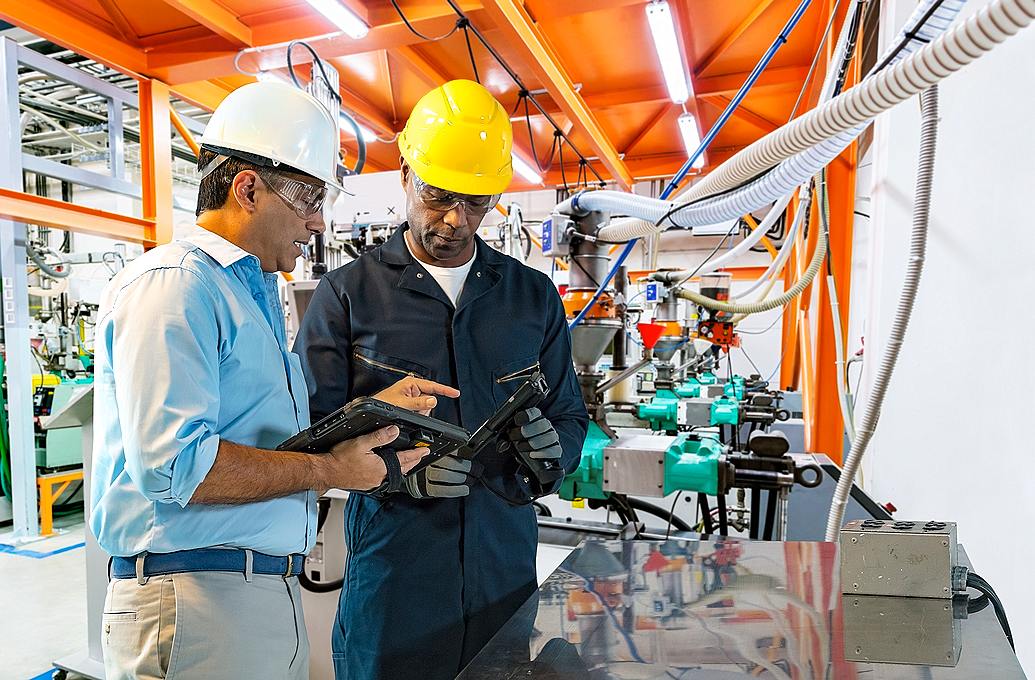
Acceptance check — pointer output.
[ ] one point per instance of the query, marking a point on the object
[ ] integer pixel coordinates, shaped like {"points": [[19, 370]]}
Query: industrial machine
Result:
{"points": [[665, 423]]}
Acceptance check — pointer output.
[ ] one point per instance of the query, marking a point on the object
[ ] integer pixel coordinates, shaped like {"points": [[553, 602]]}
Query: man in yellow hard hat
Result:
{"points": [[435, 570], [206, 522]]}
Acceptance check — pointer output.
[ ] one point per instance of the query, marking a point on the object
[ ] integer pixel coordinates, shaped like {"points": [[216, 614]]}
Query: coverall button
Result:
{"points": [[420, 275]]}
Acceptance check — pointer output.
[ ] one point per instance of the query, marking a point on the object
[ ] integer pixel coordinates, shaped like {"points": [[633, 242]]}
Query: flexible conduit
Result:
{"points": [[837, 121], [772, 303], [917, 248], [925, 67], [785, 251]]}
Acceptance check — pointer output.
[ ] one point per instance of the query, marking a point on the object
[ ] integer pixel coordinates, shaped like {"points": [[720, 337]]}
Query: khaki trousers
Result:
{"points": [[204, 625]]}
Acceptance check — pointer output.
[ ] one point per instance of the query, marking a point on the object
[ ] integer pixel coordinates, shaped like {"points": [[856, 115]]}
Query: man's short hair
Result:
{"points": [[215, 189]]}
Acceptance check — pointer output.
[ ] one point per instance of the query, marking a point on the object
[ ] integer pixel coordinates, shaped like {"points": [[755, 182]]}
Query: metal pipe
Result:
{"points": [[624, 375]]}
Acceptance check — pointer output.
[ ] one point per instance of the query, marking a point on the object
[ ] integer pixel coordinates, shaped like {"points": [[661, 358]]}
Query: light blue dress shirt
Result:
{"points": [[190, 349]]}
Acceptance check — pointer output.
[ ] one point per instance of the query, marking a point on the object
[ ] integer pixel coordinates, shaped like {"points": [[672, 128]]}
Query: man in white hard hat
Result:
{"points": [[206, 522]]}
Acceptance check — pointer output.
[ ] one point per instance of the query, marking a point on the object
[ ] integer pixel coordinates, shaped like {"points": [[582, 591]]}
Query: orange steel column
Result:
{"points": [[156, 158], [789, 345], [827, 425]]}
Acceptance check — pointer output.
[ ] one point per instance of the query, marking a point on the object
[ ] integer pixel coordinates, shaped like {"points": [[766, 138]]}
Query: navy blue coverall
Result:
{"points": [[429, 582]]}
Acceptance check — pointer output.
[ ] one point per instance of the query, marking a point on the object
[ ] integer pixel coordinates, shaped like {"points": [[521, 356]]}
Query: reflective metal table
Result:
{"points": [[707, 608]]}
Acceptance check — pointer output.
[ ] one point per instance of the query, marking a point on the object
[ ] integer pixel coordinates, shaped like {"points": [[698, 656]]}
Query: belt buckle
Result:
{"points": [[290, 559]]}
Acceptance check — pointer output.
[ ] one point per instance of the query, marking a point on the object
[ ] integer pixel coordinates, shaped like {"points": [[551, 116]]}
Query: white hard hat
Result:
{"points": [[270, 121]]}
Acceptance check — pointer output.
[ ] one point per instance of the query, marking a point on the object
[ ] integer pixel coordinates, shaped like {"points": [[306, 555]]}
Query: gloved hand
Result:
{"points": [[534, 435], [447, 477]]}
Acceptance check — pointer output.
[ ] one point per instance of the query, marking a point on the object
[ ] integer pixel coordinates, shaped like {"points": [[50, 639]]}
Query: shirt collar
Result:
{"points": [[215, 246], [396, 251]]}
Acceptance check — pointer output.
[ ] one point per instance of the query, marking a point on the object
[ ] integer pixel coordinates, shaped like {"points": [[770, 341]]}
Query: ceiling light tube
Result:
{"points": [[663, 30], [342, 17], [691, 137], [526, 171]]}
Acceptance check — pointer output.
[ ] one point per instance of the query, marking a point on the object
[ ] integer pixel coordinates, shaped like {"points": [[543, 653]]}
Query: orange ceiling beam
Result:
{"points": [[733, 36], [63, 28], [31, 209], [513, 21], [207, 94], [200, 59], [772, 81], [648, 128], [548, 10], [119, 20], [720, 102], [420, 65], [215, 18]]}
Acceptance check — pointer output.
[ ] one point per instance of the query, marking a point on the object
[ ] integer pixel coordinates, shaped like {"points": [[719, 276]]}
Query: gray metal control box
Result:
{"points": [[557, 230], [892, 557]]}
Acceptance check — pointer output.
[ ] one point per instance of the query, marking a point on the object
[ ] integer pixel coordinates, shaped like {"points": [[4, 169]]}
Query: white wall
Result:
{"points": [[952, 442]]}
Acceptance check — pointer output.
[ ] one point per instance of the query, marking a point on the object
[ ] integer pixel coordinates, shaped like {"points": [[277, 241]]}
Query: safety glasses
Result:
{"points": [[441, 200], [304, 198]]}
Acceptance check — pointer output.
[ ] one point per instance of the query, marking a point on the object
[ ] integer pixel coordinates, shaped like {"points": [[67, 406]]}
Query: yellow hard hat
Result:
{"points": [[459, 138]]}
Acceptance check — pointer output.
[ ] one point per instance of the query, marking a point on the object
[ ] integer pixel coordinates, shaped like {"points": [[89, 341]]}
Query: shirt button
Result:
{"points": [[478, 274], [420, 275]]}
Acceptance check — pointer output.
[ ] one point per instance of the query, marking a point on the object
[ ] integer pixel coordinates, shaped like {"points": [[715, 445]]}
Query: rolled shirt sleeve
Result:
{"points": [[163, 338]]}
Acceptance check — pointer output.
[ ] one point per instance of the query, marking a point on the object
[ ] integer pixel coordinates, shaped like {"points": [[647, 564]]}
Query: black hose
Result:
{"points": [[706, 513], [661, 513], [982, 586], [756, 512], [723, 519], [770, 514]]}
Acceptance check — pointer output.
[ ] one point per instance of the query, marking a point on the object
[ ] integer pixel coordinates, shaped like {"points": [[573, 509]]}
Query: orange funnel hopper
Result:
{"points": [[649, 333]]}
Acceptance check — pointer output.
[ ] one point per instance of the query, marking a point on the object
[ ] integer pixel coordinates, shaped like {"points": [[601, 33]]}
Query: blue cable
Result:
{"points": [[781, 39], [603, 285]]}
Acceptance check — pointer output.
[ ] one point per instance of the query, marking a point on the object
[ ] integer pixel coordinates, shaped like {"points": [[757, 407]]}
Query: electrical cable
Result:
{"points": [[706, 513], [917, 248], [772, 303], [417, 33], [672, 516], [470, 51], [982, 586], [723, 518], [517, 81], [361, 145], [847, 417]]}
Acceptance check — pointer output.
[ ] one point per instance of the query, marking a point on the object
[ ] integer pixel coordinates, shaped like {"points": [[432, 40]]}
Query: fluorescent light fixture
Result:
{"points": [[342, 17], [663, 30], [691, 137], [527, 172], [368, 134]]}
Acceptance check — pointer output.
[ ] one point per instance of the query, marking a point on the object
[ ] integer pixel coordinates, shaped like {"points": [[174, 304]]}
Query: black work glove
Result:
{"points": [[537, 448], [447, 477]]}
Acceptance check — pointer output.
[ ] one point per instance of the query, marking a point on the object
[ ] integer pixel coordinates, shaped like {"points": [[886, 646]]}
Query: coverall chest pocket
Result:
{"points": [[508, 377], [374, 371]]}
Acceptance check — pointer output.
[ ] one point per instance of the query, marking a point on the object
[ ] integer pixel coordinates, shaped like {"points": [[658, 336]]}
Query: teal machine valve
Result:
{"points": [[662, 411]]}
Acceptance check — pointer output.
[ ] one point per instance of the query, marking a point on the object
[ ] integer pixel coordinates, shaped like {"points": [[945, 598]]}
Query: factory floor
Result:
{"points": [[42, 600]]}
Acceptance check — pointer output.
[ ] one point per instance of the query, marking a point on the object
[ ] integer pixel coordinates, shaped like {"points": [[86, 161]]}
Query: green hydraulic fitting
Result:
{"points": [[707, 378], [735, 388], [692, 463], [690, 389], [662, 412], [725, 411], [588, 479]]}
